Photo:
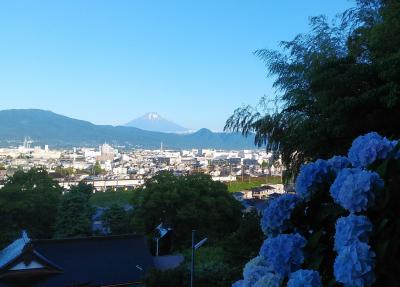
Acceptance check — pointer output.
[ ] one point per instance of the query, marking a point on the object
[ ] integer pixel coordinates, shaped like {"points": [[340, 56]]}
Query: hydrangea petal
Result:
{"points": [[354, 189], [311, 177], [351, 229], [368, 148], [269, 280], [276, 217], [283, 253], [304, 278], [354, 265]]}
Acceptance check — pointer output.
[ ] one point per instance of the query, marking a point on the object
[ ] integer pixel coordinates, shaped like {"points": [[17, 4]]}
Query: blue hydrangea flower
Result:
{"points": [[304, 278], [368, 148], [269, 280], [311, 177], [253, 263], [284, 253], [337, 163], [254, 270], [276, 216], [238, 283], [354, 189], [351, 229], [354, 266], [254, 276]]}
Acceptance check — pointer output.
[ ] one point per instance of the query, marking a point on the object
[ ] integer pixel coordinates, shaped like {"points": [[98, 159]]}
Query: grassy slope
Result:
{"points": [[105, 199], [253, 182]]}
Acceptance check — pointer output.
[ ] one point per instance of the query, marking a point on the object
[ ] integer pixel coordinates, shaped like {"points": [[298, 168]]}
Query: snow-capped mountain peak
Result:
{"points": [[154, 122], [152, 116]]}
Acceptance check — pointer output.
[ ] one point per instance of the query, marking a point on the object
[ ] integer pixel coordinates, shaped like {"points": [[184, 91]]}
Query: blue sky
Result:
{"points": [[111, 61]]}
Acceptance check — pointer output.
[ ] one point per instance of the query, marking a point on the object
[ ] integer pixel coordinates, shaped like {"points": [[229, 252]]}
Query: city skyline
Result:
{"points": [[109, 63]]}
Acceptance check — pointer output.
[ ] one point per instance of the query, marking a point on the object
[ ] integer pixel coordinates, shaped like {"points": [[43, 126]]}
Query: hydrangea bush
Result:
{"points": [[340, 228]]}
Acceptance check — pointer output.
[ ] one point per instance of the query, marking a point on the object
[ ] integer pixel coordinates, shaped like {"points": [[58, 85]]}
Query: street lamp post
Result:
{"points": [[194, 247], [192, 266]]}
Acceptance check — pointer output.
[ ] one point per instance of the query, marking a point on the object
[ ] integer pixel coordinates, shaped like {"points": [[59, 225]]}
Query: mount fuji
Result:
{"points": [[156, 123]]}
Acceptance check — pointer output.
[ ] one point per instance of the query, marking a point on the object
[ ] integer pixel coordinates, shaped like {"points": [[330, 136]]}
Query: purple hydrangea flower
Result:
{"points": [[276, 216], [304, 278], [354, 266], [351, 229], [368, 148], [284, 253], [310, 178], [354, 189], [337, 163]]}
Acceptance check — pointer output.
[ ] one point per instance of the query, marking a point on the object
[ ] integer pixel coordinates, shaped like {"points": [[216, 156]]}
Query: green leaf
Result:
{"points": [[332, 283], [382, 248], [381, 170], [316, 262], [382, 225], [314, 239]]}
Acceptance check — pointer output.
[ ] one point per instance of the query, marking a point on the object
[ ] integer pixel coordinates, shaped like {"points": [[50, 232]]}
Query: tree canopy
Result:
{"points": [[336, 82], [28, 201], [184, 203], [75, 213], [116, 220]]}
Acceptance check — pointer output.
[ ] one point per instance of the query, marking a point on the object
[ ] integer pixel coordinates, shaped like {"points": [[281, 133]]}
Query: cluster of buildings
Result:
{"points": [[109, 168], [116, 260]]}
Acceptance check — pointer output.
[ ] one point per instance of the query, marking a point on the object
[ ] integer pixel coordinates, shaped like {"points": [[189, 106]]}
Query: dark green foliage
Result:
{"points": [[171, 278], [28, 201], [185, 203], [219, 263], [196, 202], [335, 83], [83, 188], [74, 215], [210, 270], [117, 220], [243, 245]]}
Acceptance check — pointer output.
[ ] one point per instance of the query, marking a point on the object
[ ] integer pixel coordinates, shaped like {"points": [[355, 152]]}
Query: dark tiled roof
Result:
{"points": [[95, 261]]}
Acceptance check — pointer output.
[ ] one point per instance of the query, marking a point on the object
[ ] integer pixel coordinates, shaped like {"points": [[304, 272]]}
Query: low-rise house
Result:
{"points": [[239, 196], [263, 192]]}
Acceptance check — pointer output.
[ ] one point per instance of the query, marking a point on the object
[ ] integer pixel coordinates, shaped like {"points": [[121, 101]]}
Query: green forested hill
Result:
{"points": [[46, 127]]}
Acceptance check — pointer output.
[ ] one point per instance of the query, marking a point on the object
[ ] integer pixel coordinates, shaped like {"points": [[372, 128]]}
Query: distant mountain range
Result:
{"points": [[155, 122], [45, 127]]}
